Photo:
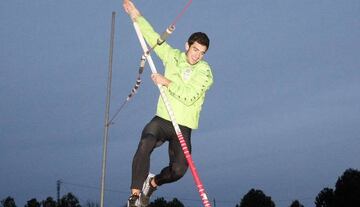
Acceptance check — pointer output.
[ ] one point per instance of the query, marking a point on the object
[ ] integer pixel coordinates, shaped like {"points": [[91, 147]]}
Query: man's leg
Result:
{"points": [[140, 168], [178, 163], [150, 138], [141, 162]]}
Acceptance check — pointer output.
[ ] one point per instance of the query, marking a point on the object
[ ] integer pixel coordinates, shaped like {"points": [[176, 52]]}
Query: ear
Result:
{"points": [[187, 46]]}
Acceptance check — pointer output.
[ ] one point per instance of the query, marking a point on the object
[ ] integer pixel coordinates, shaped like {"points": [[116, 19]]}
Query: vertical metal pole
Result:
{"points": [[58, 183], [106, 125]]}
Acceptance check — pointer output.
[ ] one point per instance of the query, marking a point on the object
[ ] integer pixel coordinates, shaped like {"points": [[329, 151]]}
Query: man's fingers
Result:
{"points": [[127, 5]]}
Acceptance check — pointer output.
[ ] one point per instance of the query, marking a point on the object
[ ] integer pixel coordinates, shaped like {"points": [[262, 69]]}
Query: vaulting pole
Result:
{"points": [[106, 124], [184, 147]]}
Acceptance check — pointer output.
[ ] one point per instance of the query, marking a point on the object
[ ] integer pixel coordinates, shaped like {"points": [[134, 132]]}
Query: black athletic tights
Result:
{"points": [[155, 133]]}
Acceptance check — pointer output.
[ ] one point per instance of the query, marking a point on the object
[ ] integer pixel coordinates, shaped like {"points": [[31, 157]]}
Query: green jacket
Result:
{"points": [[189, 83]]}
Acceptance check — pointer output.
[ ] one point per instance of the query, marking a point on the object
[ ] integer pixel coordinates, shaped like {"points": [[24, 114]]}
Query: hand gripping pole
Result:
{"points": [[184, 147]]}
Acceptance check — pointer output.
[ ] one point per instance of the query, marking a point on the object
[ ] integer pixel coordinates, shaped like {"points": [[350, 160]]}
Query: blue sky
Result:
{"points": [[282, 115]]}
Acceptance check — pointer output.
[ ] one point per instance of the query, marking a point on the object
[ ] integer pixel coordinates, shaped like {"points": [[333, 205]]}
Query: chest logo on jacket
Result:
{"points": [[187, 74]]}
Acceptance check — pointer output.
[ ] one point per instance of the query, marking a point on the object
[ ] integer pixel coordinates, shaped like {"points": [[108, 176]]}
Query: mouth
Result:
{"points": [[194, 59]]}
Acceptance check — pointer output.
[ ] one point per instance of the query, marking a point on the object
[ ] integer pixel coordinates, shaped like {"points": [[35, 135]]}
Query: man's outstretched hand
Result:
{"points": [[130, 8]]}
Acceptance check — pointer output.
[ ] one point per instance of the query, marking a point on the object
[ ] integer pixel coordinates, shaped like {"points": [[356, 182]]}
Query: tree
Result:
{"points": [[175, 203], [161, 202], [8, 202], [325, 198], [347, 189], [256, 198], [296, 203], [32, 203], [49, 202], [69, 200]]}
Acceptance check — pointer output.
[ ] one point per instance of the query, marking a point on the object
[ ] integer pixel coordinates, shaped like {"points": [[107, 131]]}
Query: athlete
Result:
{"points": [[186, 79]]}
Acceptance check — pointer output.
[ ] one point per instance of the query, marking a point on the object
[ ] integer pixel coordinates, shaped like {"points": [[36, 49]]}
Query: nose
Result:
{"points": [[198, 55]]}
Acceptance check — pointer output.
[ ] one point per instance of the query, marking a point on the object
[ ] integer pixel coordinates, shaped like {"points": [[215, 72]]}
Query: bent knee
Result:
{"points": [[178, 170]]}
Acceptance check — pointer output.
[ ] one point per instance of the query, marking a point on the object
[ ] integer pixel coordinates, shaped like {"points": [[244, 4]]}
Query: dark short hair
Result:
{"points": [[199, 37]]}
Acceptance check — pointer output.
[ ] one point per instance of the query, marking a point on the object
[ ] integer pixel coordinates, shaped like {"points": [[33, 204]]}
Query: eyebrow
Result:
{"points": [[200, 50]]}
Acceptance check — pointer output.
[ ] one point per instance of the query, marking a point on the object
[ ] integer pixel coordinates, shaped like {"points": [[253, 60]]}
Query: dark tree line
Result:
{"points": [[68, 200], [256, 198], [345, 194]]}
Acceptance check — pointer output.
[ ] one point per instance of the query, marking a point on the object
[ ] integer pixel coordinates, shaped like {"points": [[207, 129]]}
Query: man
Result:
{"points": [[187, 78]]}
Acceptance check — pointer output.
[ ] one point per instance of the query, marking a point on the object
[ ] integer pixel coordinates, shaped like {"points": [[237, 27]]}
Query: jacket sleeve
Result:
{"points": [[188, 93], [163, 51]]}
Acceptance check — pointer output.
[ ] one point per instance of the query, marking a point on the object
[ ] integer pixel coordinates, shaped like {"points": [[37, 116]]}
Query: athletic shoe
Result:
{"points": [[147, 190], [133, 201]]}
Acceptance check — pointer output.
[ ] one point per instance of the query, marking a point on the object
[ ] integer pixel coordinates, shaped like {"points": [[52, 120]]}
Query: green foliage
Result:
{"points": [[69, 200], [175, 203], [296, 203], [161, 202], [32, 203], [256, 198], [8, 202], [325, 198], [49, 202], [346, 193], [347, 189]]}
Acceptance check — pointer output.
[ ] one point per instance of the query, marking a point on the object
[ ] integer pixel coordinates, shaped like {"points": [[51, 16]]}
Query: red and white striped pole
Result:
{"points": [[184, 147]]}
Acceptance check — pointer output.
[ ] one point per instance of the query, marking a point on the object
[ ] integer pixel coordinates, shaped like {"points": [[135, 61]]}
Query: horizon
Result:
{"points": [[282, 115]]}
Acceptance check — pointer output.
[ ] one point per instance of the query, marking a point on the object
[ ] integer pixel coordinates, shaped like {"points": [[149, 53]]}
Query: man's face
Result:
{"points": [[195, 52]]}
